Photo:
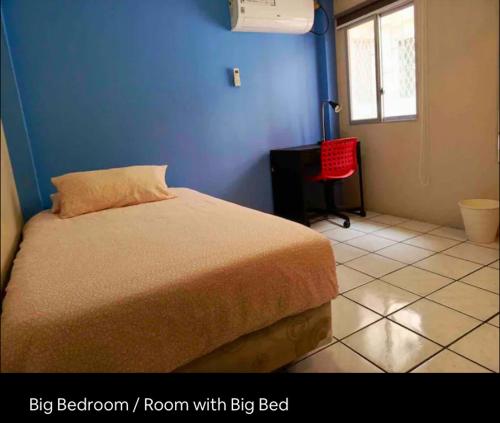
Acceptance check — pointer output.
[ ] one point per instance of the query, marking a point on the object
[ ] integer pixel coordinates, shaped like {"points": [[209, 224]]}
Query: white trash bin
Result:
{"points": [[480, 219]]}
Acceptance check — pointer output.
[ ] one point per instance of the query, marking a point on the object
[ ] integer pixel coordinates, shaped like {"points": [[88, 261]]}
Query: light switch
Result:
{"points": [[237, 79]]}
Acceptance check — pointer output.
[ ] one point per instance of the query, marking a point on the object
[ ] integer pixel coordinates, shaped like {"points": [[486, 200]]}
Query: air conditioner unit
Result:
{"points": [[286, 16]]}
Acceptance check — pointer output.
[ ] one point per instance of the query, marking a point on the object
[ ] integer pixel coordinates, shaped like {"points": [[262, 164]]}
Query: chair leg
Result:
{"points": [[329, 195], [362, 210], [331, 207]]}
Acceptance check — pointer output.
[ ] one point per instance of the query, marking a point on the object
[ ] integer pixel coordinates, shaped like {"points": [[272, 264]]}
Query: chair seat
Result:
{"points": [[322, 177]]}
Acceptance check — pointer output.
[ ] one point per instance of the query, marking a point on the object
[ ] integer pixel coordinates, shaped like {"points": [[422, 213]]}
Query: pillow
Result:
{"points": [[85, 192], [56, 203]]}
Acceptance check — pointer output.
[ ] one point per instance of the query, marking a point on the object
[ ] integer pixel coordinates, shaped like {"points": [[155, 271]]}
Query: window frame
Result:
{"points": [[375, 17]]}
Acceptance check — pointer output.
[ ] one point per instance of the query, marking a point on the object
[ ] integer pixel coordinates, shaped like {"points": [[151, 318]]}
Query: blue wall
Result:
{"points": [[106, 83], [15, 125]]}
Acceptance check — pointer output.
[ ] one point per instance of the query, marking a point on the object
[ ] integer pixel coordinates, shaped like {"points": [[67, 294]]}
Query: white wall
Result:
{"points": [[461, 80], [10, 212]]}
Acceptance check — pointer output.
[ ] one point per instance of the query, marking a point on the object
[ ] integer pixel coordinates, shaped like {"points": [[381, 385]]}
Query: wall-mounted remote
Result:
{"points": [[237, 79]]}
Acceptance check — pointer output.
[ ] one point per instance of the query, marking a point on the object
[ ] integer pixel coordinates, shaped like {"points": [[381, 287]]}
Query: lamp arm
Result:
{"points": [[335, 106], [323, 124]]}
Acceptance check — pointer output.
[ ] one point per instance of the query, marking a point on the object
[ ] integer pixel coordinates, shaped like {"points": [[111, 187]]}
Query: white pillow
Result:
{"points": [[56, 203], [86, 192]]}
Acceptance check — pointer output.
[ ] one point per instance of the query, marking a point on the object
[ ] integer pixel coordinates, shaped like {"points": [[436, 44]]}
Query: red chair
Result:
{"points": [[339, 160]]}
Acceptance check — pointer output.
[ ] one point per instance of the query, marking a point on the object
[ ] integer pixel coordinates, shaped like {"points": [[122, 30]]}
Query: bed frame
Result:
{"points": [[271, 348]]}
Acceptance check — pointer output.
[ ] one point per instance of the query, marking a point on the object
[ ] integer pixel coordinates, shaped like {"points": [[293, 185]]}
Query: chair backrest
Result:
{"points": [[339, 158]]}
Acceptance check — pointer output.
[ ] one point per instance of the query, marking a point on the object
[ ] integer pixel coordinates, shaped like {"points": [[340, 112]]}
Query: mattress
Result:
{"points": [[152, 287]]}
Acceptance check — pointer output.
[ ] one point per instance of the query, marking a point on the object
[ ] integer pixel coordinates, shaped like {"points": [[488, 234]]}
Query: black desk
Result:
{"points": [[293, 194]]}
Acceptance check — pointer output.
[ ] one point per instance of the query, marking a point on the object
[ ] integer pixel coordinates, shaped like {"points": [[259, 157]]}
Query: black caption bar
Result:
{"points": [[234, 396]]}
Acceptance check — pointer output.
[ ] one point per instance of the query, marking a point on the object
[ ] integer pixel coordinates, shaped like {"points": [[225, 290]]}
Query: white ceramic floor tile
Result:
{"points": [[453, 308], [494, 321], [345, 253], [395, 233], [495, 265], [389, 219], [418, 281], [342, 234], [431, 242], [392, 347], [493, 244], [418, 226], [322, 225], [349, 279], [434, 321], [473, 253], [487, 278], [371, 214], [481, 346], [381, 297], [448, 266], [367, 226], [371, 243], [375, 265], [348, 317], [452, 233], [405, 253], [449, 362], [467, 299], [336, 358]]}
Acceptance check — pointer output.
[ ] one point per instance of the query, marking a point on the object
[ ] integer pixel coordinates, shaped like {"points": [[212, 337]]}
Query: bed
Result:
{"points": [[188, 284]]}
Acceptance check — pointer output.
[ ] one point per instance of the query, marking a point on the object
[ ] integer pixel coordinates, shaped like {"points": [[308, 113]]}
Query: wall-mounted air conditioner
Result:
{"points": [[287, 16]]}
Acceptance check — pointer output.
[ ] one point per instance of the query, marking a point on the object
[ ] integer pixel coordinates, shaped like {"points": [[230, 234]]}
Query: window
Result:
{"points": [[381, 61]]}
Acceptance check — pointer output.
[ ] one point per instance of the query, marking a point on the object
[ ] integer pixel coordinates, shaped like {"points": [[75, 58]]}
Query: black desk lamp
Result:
{"points": [[336, 107]]}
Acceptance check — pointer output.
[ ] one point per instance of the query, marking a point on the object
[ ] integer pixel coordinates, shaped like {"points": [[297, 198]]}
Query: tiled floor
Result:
{"points": [[414, 297]]}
